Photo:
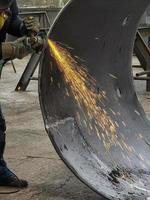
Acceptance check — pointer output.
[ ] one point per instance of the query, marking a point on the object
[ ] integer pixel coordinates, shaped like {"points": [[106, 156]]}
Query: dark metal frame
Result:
{"points": [[142, 52]]}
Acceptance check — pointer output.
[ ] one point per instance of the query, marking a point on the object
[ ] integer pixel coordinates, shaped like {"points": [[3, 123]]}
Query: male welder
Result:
{"points": [[11, 23]]}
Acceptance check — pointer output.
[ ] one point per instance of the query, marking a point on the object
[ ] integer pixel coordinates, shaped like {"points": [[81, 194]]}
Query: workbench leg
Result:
{"points": [[28, 72]]}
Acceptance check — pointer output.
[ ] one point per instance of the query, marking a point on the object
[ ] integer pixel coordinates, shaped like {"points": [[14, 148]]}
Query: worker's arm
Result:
{"points": [[23, 46], [19, 27], [16, 27], [17, 49], [0, 51]]}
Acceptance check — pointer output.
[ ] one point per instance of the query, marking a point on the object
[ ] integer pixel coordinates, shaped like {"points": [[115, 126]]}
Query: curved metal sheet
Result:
{"points": [[114, 163]]}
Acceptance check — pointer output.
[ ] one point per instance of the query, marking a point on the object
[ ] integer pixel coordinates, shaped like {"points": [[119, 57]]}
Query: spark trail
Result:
{"points": [[83, 88]]}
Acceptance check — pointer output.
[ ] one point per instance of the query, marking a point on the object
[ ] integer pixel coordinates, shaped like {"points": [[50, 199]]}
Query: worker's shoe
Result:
{"points": [[8, 178]]}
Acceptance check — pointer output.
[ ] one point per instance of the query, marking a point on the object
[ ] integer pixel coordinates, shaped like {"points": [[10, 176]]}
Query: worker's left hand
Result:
{"points": [[32, 25], [17, 49]]}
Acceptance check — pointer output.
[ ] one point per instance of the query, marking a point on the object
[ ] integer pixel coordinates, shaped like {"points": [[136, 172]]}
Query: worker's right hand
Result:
{"points": [[32, 25], [16, 49]]}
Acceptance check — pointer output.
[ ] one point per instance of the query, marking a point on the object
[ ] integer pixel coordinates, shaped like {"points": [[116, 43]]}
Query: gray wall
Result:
{"points": [[37, 3]]}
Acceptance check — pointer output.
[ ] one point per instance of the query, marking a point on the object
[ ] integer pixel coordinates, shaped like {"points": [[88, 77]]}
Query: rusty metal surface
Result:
{"points": [[101, 33]]}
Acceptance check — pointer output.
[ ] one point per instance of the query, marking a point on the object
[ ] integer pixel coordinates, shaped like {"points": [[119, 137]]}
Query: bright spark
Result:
{"points": [[83, 88]]}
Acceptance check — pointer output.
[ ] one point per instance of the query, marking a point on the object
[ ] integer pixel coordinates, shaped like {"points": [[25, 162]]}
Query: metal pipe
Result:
{"points": [[143, 73], [142, 78]]}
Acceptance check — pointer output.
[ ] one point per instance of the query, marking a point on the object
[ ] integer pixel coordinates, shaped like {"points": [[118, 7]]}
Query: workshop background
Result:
{"points": [[29, 151]]}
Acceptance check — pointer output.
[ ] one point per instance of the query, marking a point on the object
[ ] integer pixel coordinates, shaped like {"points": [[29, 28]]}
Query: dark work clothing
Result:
{"points": [[2, 139], [15, 27]]}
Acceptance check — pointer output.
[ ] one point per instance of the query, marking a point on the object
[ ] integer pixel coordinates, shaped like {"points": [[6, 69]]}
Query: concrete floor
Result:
{"points": [[29, 152]]}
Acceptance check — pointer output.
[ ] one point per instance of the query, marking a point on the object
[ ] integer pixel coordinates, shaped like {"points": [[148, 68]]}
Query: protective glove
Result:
{"points": [[32, 25], [37, 43], [17, 49]]}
